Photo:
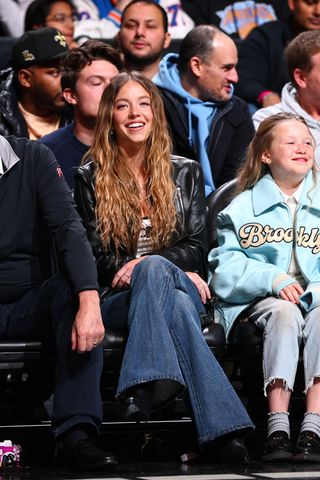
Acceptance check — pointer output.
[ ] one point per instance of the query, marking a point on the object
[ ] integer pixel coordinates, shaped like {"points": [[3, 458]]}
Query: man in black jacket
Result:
{"points": [[262, 67], [35, 202], [31, 104], [207, 122]]}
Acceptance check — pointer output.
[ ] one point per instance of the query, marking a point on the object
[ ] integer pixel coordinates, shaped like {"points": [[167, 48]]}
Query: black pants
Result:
{"points": [[46, 311]]}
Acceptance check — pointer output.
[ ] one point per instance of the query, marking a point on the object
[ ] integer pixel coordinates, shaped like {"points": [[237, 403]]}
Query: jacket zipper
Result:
{"points": [[181, 204]]}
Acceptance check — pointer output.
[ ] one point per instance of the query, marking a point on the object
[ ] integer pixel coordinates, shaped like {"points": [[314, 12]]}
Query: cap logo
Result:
{"points": [[27, 56], [60, 39]]}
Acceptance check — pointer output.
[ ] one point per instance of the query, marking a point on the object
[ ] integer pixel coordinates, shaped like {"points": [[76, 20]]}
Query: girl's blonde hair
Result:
{"points": [[253, 168], [118, 202]]}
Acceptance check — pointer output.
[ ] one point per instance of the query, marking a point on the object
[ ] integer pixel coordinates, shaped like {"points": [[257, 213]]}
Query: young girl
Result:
{"points": [[268, 262]]}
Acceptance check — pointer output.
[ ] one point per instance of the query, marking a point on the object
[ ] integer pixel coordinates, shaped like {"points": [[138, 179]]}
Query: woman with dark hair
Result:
{"points": [[60, 14], [144, 212]]}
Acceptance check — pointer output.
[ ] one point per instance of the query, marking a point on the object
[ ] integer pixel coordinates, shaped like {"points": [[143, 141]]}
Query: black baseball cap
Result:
{"points": [[38, 46]]}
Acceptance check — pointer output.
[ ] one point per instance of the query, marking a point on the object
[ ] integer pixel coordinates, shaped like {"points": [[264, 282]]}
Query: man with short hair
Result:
{"points": [[35, 204], [207, 122], [301, 95], [262, 69], [143, 36], [31, 104], [102, 19], [86, 71]]}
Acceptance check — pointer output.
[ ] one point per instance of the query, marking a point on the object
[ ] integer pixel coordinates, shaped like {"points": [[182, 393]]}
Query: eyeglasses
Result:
{"points": [[62, 18]]}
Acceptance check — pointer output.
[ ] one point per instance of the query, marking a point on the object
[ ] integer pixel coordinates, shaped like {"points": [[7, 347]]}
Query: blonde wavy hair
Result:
{"points": [[253, 168], [118, 203]]}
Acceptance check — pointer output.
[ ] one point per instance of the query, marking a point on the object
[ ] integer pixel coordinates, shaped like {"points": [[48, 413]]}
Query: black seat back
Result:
{"points": [[217, 201], [243, 333]]}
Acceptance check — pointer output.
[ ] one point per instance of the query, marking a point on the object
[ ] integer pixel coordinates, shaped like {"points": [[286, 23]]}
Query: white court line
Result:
{"points": [[288, 475], [217, 476]]}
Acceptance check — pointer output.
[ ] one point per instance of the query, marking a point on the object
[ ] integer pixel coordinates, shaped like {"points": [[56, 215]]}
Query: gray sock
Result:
{"points": [[311, 422], [278, 421]]}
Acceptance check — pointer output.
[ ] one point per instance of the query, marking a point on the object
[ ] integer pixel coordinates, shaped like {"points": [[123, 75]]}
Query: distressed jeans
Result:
{"points": [[166, 345], [284, 327]]}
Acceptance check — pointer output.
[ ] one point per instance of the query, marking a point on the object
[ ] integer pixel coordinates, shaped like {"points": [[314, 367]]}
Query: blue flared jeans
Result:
{"points": [[166, 345]]}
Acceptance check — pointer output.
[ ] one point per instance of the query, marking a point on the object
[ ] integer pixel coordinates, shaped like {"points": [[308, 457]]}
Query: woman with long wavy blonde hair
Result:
{"points": [[118, 202], [144, 212]]}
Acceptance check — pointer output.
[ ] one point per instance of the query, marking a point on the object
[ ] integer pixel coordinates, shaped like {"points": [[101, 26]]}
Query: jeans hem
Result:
{"points": [[149, 379], [310, 384], [71, 422], [225, 431]]}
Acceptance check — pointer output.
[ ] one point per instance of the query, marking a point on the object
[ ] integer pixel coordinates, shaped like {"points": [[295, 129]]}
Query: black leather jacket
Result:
{"points": [[189, 243]]}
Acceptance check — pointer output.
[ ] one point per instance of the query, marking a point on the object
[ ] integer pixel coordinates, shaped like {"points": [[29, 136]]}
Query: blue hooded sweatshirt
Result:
{"points": [[200, 114]]}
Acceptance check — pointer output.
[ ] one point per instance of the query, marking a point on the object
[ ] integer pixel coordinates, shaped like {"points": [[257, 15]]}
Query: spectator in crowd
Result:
{"points": [[103, 19], [59, 14], [144, 212], [234, 17], [36, 201], [207, 122], [267, 264], [86, 71], [302, 94], [31, 104], [12, 14], [262, 70], [143, 36]]}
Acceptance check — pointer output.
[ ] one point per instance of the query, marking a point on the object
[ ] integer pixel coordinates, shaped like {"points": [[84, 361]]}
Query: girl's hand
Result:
{"points": [[122, 278], [292, 293], [201, 285]]}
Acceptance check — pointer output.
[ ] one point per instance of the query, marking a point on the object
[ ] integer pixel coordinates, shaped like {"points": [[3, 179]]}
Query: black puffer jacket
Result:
{"points": [[189, 244], [11, 119]]}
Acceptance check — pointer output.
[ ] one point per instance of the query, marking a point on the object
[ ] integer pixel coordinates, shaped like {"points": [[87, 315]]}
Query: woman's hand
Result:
{"points": [[122, 278], [292, 293], [201, 285]]}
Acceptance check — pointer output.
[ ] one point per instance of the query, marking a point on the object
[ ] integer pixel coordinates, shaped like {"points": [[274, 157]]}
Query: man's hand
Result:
{"points": [[201, 285], [87, 329], [292, 293]]}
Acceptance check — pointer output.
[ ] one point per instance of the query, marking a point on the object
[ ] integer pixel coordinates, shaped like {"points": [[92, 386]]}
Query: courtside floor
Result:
{"points": [[126, 441]]}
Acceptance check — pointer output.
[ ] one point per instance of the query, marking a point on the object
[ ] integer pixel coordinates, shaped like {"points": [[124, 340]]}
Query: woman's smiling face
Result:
{"points": [[132, 114]]}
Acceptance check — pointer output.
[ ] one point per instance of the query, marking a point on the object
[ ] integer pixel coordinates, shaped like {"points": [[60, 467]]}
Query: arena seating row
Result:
{"points": [[27, 367]]}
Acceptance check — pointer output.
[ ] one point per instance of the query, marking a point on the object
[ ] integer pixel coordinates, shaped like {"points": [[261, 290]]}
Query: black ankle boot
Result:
{"points": [[229, 448], [136, 404]]}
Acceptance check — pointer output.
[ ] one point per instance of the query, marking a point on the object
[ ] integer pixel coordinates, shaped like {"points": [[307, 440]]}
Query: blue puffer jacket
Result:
{"points": [[256, 241]]}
